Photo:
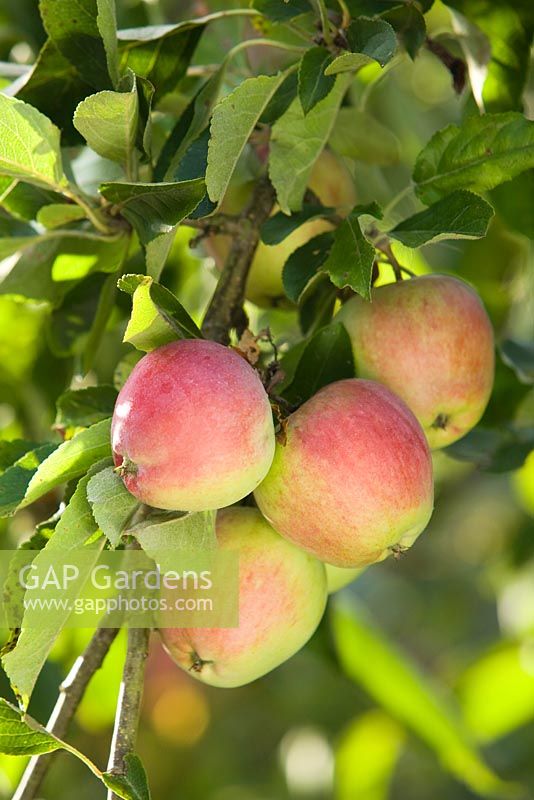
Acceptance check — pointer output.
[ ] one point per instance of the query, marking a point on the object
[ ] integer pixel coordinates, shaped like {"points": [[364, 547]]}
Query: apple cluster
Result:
{"points": [[351, 484]]}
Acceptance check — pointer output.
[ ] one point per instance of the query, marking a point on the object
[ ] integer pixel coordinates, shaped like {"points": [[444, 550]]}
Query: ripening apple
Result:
{"points": [[339, 577], [333, 184], [192, 428], [282, 596], [353, 482], [429, 339]]}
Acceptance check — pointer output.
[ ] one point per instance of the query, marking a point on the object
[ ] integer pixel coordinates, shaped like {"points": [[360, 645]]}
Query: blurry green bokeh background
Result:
{"points": [[461, 604]]}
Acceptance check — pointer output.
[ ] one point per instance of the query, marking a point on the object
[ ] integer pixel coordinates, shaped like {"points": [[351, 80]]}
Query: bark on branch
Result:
{"points": [[129, 702], [225, 310], [71, 692]]}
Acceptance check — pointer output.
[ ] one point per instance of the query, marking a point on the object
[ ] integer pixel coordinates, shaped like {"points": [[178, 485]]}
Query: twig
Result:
{"points": [[383, 244], [218, 224], [345, 14], [71, 692], [225, 310], [129, 702], [325, 24]]}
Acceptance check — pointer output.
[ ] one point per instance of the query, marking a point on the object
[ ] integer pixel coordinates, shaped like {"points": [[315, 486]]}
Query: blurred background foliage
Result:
{"points": [[460, 607]]}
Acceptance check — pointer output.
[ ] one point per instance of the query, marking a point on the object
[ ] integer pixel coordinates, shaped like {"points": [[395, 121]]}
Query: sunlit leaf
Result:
{"points": [[478, 155], [233, 121], [297, 140], [400, 688], [460, 215]]}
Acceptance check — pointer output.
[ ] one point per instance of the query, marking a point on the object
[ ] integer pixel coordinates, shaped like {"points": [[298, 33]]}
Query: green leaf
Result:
{"points": [[313, 84], [145, 97], [21, 735], [29, 148], [409, 25], [280, 225], [124, 368], [70, 460], [398, 686], [75, 528], [281, 100], [13, 449], [373, 739], [351, 259], [369, 40], [15, 244], [356, 134], [56, 215], [112, 504], [133, 784], [514, 201], [31, 276], [24, 200], [316, 304], [106, 21], [18, 738], [84, 33], [15, 480], [161, 54], [166, 531], [108, 121], [326, 358], [154, 210], [84, 407], [478, 155], [157, 316], [296, 143], [281, 10], [520, 357], [501, 673], [70, 325], [55, 88], [460, 215], [191, 123], [494, 449], [508, 29], [233, 121], [304, 263]]}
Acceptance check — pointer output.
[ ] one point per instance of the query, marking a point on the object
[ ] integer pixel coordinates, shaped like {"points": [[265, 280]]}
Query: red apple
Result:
{"points": [[428, 339], [192, 427], [282, 596], [354, 479]]}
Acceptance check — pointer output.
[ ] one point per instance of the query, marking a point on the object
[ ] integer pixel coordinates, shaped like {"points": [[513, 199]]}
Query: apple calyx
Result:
{"points": [[197, 663], [441, 422]]}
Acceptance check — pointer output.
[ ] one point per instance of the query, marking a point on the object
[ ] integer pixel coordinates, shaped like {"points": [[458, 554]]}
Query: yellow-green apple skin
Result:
{"points": [[333, 185], [282, 597], [192, 427], [339, 577], [353, 481], [430, 340]]}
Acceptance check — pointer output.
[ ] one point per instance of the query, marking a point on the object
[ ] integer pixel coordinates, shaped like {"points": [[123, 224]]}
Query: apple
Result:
{"points": [[282, 597], [429, 339], [353, 483], [192, 427], [333, 184], [339, 577]]}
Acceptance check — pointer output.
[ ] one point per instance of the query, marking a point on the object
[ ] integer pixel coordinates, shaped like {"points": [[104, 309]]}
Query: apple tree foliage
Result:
{"points": [[117, 140]]}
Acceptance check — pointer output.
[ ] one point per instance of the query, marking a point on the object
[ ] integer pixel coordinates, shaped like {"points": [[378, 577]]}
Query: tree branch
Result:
{"points": [[225, 310], [129, 702], [227, 224], [71, 692]]}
